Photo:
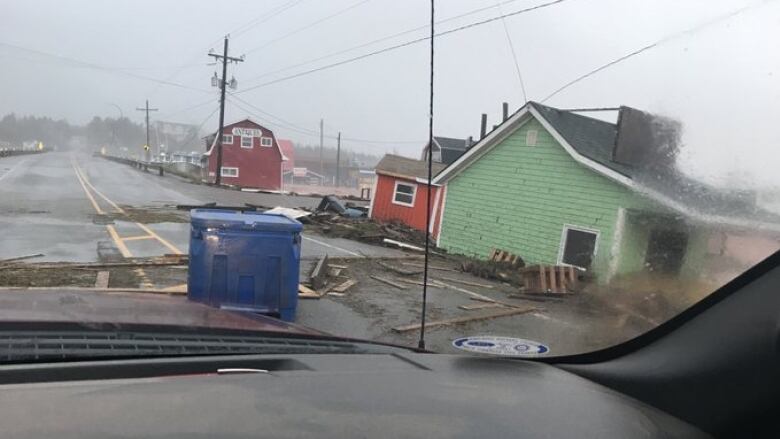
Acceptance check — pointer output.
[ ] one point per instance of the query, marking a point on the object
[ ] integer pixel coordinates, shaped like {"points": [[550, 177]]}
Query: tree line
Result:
{"points": [[109, 132]]}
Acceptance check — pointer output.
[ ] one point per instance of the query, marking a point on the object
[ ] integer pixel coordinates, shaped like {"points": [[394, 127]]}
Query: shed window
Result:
{"points": [[246, 142], [227, 139], [578, 246], [266, 141], [404, 193], [229, 172], [530, 137]]}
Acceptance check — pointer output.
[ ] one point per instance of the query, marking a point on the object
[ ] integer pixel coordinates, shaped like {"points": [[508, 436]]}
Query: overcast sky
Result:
{"points": [[719, 79]]}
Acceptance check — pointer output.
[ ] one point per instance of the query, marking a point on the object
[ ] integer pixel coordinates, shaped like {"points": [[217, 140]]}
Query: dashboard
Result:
{"points": [[385, 395]]}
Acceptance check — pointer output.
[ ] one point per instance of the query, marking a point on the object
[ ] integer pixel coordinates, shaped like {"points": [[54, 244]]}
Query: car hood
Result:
{"points": [[137, 309]]}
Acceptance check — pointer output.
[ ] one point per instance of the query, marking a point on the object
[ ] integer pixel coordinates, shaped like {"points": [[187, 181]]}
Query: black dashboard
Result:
{"points": [[399, 395]]}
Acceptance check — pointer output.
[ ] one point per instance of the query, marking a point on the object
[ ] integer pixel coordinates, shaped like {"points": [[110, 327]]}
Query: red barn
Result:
{"points": [[251, 157], [401, 191]]}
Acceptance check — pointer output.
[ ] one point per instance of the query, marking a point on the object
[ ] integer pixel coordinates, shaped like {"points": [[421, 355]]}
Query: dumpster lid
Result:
{"points": [[237, 220]]}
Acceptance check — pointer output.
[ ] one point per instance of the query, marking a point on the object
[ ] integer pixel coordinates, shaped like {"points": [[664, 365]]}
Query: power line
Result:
{"points": [[308, 26], [255, 21], [282, 123], [84, 64], [657, 43], [514, 54], [372, 42], [398, 46], [264, 17]]}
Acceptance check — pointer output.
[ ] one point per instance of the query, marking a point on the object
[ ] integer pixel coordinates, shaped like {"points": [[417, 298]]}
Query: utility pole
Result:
{"points": [[322, 135], [147, 147], [338, 160], [223, 83]]}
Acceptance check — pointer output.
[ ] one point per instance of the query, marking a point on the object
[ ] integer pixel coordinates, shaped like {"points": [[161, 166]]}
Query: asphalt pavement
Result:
{"points": [[55, 204]]}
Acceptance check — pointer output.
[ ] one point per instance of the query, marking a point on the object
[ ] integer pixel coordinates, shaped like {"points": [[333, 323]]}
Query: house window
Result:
{"points": [[227, 139], [530, 137], [578, 246], [246, 142], [266, 141], [229, 172], [404, 193]]}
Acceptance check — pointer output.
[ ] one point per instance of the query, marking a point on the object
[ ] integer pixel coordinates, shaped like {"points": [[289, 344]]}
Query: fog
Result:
{"points": [[79, 59]]}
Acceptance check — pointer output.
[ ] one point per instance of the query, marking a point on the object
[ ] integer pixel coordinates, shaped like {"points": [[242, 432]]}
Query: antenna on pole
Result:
{"points": [[421, 342]]}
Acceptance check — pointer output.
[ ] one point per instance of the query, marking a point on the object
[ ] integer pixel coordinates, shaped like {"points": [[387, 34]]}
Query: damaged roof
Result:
{"points": [[451, 148], [593, 138], [591, 142], [398, 166]]}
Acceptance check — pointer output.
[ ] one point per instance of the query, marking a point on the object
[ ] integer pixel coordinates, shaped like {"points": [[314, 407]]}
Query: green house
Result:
{"points": [[553, 187]]}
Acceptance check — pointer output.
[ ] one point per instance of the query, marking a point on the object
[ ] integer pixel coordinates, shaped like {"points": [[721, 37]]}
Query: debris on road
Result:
{"points": [[400, 271], [465, 282], [305, 292], [497, 255], [402, 245], [319, 275], [465, 319], [101, 280], [430, 267], [296, 214], [341, 288], [21, 258], [331, 203], [388, 282], [555, 279]]}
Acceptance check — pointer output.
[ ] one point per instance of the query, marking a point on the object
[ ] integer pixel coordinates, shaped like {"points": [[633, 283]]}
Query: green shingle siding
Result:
{"points": [[518, 198]]}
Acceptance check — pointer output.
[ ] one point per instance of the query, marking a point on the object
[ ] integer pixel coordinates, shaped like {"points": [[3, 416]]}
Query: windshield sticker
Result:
{"points": [[506, 346]]}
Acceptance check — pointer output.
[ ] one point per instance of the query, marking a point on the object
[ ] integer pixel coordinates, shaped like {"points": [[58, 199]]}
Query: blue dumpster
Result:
{"points": [[246, 261]]}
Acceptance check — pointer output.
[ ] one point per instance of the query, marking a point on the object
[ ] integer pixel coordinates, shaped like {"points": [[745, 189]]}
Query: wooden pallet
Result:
{"points": [[555, 279], [497, 255]]}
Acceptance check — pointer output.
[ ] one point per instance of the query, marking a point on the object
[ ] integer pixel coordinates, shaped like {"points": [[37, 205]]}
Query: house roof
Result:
{"points": [[451, 148], [397, 166], [591, 137], [211, 139], [591, 142], [287, 147]]}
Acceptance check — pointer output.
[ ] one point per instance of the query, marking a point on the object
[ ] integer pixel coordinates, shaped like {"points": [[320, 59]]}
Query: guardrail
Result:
{"points": [[161, 168], [13, 152]]}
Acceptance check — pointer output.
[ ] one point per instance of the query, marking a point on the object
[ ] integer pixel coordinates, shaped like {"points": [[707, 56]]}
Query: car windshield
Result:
{"points": [[510, 177]]}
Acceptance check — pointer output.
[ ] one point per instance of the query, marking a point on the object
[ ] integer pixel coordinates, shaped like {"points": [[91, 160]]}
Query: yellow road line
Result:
{"points": [[118, 241], [137, 238], [86, 180], [160, 239], [86, 191]]}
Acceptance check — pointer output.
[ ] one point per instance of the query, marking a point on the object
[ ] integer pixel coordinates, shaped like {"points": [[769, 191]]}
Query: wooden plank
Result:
{"points": [[470, 293], [471, 307], [400, 271], [344, 286], [553, 281], [430, 267], [492, 254], [419, 282], [466, 319], [21, 258], [98, 265], [181, 288], [465, 282], [388, 282], [319, 275], [542, 279], [343, 267], [101, 280], [98, 290], [402, 245], [305, 292]]}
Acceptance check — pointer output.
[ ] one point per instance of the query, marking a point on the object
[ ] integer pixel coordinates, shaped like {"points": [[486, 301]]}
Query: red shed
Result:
{"points": [[251, 157], [401, 191]]}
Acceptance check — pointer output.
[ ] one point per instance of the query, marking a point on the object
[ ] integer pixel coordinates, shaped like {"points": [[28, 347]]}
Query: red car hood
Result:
{"points": [[90, 308]]}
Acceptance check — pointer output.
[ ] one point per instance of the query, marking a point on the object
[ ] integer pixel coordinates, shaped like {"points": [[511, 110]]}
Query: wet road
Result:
{"points": [[55, 204]]}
